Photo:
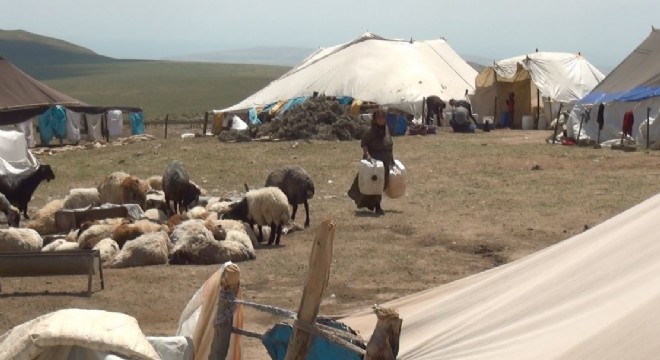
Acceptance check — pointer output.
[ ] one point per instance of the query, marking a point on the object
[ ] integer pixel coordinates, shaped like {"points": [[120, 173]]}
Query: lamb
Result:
{"points": [[19, 239], [44, 220], [82, 198], [126, 231], [11, 213], [19, 188], [296, 184], [121, 188], [91, 236], [266, 206], [148, 249], [107, 248], [178, 188]]}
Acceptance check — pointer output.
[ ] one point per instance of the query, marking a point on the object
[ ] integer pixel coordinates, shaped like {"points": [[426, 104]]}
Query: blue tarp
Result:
{"points": [[276, 341], [292, 102], [52, 123], [137, 123], [634, 95], [345, 100], [397, 124], [269, 106], [253, 118]]}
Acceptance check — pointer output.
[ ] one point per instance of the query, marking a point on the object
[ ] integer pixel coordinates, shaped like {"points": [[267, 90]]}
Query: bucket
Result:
{"points": [[527, 122]]}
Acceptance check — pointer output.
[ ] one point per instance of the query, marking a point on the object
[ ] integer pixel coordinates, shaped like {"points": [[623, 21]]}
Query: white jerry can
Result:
{"points": [[396, 186], [371, 177]]}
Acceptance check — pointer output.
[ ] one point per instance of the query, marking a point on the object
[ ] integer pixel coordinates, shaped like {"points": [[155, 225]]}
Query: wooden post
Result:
{"points": [[554, 137], [167, 118], [206, 121], [384, 343], [423, 106], [648, 128], [229, 283], [317, 280], [538, 107]]}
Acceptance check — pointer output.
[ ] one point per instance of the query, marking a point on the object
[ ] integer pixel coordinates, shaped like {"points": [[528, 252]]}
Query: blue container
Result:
{"points": [[397, 124]]}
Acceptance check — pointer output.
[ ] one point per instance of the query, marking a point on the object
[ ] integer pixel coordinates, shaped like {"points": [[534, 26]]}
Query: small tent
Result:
{"points": [[540, 81], [398, 74], [634, 85]]}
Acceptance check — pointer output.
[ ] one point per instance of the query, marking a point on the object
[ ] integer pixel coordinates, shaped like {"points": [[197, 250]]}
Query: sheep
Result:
{"points": [[11, 213], [44, 220], [178, 188], [60, 245], [20, 239], [227, 225], [82, 198], [156, 200], [266, 206], [296, 184], [198, 213], [19, 188], [193, 243], [126, 231], [156, 215], [122, 188], [155, 182], [68, 246], [148, 249], [236, 247], [217, 206], [107, 248], [91, 236]]}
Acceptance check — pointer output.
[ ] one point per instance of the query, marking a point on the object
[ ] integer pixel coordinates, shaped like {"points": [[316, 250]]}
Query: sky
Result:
{"points": [[604, 31]]}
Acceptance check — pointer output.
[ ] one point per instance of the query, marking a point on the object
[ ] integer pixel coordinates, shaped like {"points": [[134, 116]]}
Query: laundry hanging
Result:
{"points": [[137, 123]]}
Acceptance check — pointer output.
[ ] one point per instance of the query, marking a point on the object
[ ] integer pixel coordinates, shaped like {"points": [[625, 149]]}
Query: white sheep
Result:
{"points": [[215, 205], [156, 215], [148, 249], [20, 239], [107, 248], [236, 247], [129, 231], [11, 212], [68, 246], [155, 182], [198, 213], [195, 244], [44, 220], [122, 188], [82, 198], [53, 245], [265, 206], [94, 234]]}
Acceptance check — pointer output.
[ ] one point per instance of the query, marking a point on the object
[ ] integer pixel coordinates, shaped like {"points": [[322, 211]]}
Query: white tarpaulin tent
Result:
{"points": [[558, 77], [593, 296], [393, 73], [15, 157], [634, 85]]}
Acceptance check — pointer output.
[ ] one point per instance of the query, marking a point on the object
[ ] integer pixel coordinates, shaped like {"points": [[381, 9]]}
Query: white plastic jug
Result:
{"points": [[396, 186], [371, 177]]}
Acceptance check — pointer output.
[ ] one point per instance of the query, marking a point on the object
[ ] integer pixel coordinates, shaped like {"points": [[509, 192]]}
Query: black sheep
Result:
{"points": [[19, 188], [178, 188], [296, 184]]}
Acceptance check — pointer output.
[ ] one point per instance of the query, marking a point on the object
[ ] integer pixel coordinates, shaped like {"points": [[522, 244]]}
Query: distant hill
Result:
{"points": [[31, 52], [280, 56]]}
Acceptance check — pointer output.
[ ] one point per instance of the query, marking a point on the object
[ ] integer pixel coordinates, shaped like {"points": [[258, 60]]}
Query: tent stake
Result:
{"points": [[554, 138]]}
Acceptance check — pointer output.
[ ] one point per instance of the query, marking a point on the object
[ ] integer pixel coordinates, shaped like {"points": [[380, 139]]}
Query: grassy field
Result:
{"points": [[161, 87], [473, 202]]}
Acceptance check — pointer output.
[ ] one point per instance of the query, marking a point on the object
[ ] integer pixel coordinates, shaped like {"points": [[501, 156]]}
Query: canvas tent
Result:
{"points": [[395, 73], [634, 85], [593, 296], [22, 97], [540, 81]]}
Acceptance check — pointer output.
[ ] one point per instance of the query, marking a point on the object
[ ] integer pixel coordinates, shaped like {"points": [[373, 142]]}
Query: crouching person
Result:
{"points": [[461, 120]]}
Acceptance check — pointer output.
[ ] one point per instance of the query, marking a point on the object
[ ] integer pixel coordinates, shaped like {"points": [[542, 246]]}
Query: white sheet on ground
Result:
{"points": [[593, 296], [15, 157]]}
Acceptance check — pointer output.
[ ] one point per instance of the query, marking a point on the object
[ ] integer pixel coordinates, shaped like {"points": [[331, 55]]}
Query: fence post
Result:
{"points": [[229, 283], [167, 118]]}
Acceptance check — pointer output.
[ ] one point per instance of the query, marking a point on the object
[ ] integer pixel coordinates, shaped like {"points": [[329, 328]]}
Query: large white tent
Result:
{"points": [[540, 80], [395, 73], [593, 296], [634, 86]]}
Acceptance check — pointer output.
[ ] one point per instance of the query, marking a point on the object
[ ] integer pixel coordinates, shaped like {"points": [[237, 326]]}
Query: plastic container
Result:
{"points": [[371, 177], [527, 122], [396, 186]]}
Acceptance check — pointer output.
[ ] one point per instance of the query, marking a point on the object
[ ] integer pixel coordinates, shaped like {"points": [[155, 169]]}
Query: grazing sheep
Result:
{"points": [[44, 220], [156, 215], [91, 236], [178, 188], [107, 248], [126, 231], [296, 184], [155, 182], [148, 249], [82, 198], [195, 244], [121, 188], [19, 188], [266, 206], [11, 213], [19, 239]]}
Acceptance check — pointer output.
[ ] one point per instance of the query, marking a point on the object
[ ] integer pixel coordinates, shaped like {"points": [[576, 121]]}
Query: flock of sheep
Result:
{"points": [[177, 222]]}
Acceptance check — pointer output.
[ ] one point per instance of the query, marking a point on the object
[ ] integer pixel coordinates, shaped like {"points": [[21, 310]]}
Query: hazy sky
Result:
{"points": [[605, 31]]}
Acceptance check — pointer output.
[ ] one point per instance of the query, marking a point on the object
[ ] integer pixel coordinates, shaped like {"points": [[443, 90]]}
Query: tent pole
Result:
{"points": [[206, 121], [648, 128], [554, 137], [423, 106], [167, 118], [538, 107], [577, 140]]}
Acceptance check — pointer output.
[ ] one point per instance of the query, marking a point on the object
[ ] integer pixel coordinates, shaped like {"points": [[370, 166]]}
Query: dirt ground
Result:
{"points": [[473, 202]]}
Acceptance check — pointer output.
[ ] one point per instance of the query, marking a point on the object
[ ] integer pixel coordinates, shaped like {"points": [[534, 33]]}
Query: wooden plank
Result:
{"points": [[45, 264], [317, 280], [384, 343], [229, 283]]}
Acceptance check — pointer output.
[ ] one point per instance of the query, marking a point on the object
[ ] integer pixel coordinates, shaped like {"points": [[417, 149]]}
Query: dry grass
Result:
{"points": [[473, 202]]}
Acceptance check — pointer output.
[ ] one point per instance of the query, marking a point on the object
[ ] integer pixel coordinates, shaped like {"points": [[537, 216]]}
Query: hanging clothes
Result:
{"points": [[253, 117], [600, 117], [94, 132], [137, 123], [27, 128], [73, 124], [115, 123], [628, 121], [52, 123]]}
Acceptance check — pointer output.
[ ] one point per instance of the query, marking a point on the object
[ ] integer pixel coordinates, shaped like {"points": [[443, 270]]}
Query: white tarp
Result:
{"points": [[393, 73], [27, 128], [593, 296], [15, 157]]}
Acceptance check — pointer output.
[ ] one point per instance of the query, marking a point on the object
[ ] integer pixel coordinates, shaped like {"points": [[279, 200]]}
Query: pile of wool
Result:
{"points": [[317, 118]]}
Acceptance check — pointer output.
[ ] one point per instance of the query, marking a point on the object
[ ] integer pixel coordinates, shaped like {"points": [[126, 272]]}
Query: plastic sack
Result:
{"points": [[396, 186], [238, 124], [115, 123], [253, 117], [371, 177]]}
